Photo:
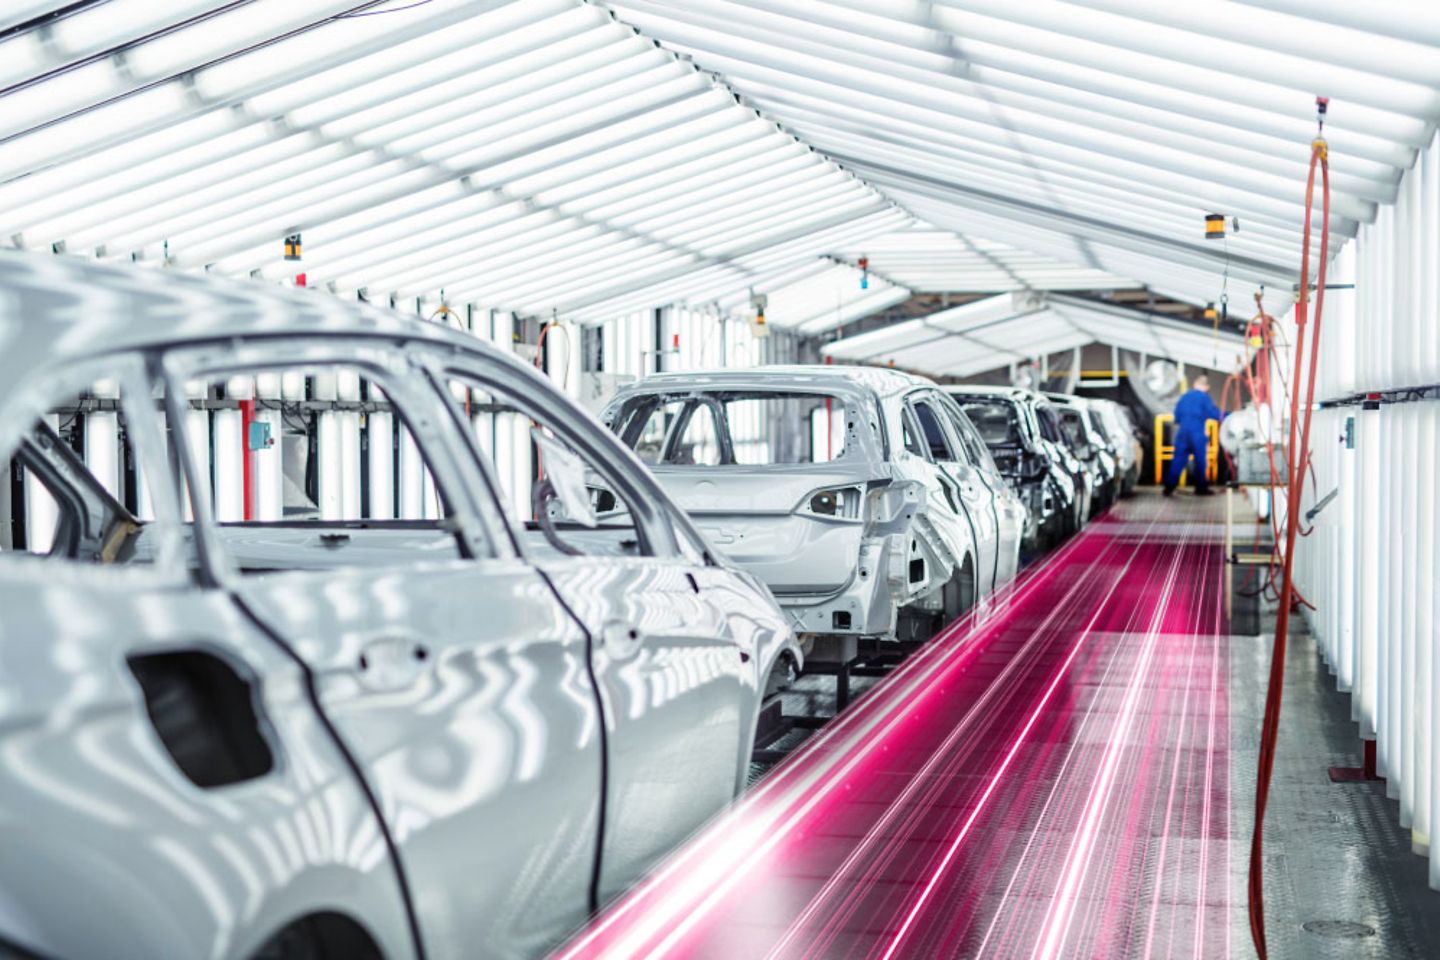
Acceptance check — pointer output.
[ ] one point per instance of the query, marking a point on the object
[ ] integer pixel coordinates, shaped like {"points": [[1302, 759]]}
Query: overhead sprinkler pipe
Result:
{"points": [[1294, 470]]}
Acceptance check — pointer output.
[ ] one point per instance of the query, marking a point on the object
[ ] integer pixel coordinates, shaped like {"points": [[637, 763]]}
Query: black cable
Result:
{"points": [[357, 770], [597, 864], [376, 13]]}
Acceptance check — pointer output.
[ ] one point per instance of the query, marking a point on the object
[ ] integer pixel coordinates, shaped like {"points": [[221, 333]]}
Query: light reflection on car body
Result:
{"points": [[466, 739]]}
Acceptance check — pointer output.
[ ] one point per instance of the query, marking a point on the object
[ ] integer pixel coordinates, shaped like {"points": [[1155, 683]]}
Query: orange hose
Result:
{"points": [[1294, 477]]}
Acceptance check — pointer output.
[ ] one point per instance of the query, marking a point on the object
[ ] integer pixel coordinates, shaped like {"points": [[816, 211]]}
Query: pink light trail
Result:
{"points": [[1048, 778]]}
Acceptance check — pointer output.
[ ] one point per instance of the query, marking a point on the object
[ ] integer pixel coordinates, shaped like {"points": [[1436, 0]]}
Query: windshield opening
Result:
{"points": [[736, 428]]}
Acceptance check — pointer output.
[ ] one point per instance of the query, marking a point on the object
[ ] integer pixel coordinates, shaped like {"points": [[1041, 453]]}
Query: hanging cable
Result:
{"points": [[1319, 156], [540, 351]]}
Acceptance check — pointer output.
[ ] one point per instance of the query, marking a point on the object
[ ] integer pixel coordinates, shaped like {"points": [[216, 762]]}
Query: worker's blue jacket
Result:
{"points": [[1191, 412]]}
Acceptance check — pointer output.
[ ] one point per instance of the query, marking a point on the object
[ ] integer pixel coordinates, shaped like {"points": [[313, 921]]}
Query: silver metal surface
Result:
{"points": [[934, 534], [455, 713], [1058, 493]]}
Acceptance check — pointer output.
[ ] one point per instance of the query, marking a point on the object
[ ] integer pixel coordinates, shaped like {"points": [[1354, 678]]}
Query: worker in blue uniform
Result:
{"points": [[1192, 411]]}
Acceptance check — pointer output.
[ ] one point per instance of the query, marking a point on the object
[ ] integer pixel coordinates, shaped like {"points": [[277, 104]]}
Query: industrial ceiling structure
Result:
{"points": [[1018, 327], [585, 159]]}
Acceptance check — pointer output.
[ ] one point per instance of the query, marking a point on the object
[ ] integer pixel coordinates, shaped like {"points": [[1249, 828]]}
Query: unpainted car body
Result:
{"points": [[1120, 431], [1018, 425], [1089, 443], [862, 497], [443, 737]]}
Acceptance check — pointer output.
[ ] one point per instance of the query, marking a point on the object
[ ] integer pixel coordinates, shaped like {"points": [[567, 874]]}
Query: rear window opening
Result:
{"points": [[997, 421], [737, 428]]}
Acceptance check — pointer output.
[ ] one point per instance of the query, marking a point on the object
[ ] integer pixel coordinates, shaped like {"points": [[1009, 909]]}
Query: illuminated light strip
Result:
{"points": [[1200, 900], [1130, 830], [1013, 595], [938, 755], [1077, 862], [1169, 811], [1071, 753], [716, 894], [1054, 797], [1004, 765], [1193, 620], [1060, 912]]}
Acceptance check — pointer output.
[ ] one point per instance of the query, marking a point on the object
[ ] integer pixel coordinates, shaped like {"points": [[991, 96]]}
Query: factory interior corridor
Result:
{"points": [[1066, 773]]}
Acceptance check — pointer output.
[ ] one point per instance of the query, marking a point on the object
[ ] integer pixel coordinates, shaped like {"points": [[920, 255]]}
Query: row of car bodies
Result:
{"points": [[419, 710], [866, 499], [336, 733], [862, 497], [1069, 457]]}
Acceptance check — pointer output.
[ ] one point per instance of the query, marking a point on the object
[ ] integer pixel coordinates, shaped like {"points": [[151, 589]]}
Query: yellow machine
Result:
{"points": [[1165, 448]]}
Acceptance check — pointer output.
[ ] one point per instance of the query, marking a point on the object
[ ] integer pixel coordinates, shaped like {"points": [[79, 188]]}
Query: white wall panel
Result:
{"points": [[1379, 619]]}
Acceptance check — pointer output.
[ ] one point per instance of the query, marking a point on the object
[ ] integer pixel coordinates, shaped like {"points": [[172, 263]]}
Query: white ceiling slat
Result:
{"points": [[1009, 328], [597, 158], [535, 155]]}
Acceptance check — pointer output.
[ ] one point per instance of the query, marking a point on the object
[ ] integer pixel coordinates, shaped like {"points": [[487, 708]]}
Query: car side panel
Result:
{"points": [[110, 849], [678, 688], [462, 689]]}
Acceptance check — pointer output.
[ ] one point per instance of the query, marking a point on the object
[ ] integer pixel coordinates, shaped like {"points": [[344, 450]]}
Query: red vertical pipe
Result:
{"points": [[247, 456]]}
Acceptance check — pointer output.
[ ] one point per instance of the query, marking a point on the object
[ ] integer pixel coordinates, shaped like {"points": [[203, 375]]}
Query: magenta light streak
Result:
{"points": [[994, 781], [721, 858], [965, 805], [1078, 862]]}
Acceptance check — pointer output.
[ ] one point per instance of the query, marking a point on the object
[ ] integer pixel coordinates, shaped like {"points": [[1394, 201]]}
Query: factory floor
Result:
{"points": [[1069, 773], [1341, 879]]}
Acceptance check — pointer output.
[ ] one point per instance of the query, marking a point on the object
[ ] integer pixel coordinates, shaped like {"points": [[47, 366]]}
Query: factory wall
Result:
{"points": [[1369, 566]]}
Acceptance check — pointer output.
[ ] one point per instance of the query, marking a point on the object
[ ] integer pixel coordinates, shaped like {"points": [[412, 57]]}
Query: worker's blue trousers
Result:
{"points": [[1188, 444]]}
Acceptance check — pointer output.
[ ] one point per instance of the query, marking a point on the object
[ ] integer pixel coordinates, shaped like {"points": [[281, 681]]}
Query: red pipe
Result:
{"points": [[247, 457], [1294, 469]]}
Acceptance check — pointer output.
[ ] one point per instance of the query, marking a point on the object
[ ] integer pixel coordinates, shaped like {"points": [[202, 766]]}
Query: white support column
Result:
{"points": [[1347, 507], [348, 421], [102, 440], [42, 513], [1367, 430], [1407, 555], [412, 479], [230, 446], [269, 464], [1393, 578], [197, 430], [330, 483], [382, 464]]}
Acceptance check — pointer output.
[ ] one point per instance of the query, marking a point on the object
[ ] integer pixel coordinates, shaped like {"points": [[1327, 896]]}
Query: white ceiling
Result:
{"points": [[588, 159], [1018, 327], [1095, 132]]}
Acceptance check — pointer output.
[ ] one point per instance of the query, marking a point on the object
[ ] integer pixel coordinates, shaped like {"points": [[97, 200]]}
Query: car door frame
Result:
{"points": [[666, 540], [979, 456], [244, 814], [964, 473], [475, 517]]}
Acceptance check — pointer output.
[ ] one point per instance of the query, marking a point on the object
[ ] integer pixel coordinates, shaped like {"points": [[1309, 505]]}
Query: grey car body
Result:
{"points": [[905, 513], [448, 739], [1120, 431], [1090, 444], [1023, 436]]}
